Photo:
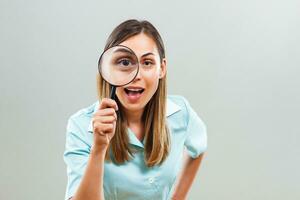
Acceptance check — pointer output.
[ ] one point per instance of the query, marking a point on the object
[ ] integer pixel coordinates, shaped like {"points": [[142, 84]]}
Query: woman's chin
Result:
{"points": [[133, 107]]}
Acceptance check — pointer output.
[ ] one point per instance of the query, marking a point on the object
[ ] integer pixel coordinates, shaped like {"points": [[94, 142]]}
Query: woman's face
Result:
{"points": [[138, 93]]}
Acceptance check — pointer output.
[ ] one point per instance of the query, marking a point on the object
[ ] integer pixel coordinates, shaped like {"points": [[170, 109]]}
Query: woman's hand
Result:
{"points": [[104, 124]]}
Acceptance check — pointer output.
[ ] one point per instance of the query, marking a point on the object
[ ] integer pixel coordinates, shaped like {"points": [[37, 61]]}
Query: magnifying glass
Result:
{"points": [[118, 65]]}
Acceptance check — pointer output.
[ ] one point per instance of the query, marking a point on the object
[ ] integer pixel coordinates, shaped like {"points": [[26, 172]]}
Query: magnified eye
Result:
{"points": [[125, 62]]}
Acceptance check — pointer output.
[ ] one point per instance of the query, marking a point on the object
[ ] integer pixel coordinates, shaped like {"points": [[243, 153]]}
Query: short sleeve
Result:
{"points": [[76, 156], [196, 138]]}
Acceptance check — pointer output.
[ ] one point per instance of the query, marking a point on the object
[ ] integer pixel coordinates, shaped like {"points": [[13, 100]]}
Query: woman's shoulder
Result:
{"points": [[182, 108], [177, 99], [177, 107], [180, 101], [188, 121], [81, 117]]}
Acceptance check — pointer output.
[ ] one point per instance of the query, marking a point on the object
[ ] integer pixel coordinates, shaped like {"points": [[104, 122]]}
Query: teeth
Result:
{"points": [[134, 90]]}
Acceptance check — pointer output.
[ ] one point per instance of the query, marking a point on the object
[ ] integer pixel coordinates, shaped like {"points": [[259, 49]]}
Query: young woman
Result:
{"points": [[139, 154]]}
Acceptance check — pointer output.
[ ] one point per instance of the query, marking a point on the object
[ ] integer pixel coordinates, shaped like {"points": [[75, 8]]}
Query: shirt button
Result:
{"points": [[151, 180]]}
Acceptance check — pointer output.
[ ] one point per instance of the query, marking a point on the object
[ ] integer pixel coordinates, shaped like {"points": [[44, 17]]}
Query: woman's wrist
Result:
{"points": [[98, 151]]}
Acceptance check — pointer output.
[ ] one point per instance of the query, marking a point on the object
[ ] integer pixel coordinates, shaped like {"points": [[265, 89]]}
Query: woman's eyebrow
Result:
{"points": [[146, 54], [123, 51]]}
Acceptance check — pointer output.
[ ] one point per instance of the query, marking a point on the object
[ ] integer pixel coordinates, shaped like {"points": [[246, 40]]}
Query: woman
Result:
{"points": [[137, 154]]}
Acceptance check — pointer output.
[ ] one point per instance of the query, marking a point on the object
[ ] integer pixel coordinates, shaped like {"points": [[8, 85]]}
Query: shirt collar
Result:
{"points": [[171, 109]]}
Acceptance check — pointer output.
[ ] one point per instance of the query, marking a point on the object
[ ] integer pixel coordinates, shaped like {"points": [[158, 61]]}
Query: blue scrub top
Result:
{"points": [[133, 180]]}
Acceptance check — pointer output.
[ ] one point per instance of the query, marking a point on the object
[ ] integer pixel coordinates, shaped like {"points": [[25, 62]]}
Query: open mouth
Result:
{"points": [[131, 91]]}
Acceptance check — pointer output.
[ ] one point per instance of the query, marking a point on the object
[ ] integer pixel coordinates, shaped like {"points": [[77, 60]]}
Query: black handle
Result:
{"points": [[113, 92], [113, 95]]}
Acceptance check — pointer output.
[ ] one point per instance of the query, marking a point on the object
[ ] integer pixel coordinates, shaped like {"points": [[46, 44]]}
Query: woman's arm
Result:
{"points": [[91, 186], [104, 126], [186, 177]]}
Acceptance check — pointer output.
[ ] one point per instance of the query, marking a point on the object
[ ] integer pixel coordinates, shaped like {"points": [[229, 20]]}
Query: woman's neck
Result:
{"points": [[134, 117], [134, 122]]}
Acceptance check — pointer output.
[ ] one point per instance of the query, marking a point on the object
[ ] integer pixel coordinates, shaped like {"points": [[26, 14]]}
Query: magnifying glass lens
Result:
{"points": [[118, 65]]}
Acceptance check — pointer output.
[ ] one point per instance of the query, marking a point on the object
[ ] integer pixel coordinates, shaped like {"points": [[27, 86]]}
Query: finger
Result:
{"points": [[105, 112], [105, 119], [108, 127], [100, 127], [108, 103], [97, 128]]}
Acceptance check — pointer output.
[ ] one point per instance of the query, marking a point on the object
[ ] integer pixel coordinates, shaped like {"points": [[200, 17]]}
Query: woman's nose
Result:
{"points": [[138, 76]]}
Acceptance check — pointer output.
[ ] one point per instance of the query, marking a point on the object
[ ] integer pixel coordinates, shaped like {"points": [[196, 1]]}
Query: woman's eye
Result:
{"points": [[124, 62], [148, 63]]}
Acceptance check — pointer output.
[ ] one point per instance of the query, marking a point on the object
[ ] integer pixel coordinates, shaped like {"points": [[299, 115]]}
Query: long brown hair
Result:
{"points": [[157, 136]]}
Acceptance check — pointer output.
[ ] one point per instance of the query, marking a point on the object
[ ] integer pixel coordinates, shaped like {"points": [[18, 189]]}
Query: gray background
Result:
{"points": [[237, 62]]}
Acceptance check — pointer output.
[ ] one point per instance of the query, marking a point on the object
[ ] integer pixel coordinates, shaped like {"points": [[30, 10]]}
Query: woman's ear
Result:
{"points": [[163, 68]]}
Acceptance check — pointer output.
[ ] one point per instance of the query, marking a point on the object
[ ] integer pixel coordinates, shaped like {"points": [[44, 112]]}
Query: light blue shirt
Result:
{"points": [[133, 180]]}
